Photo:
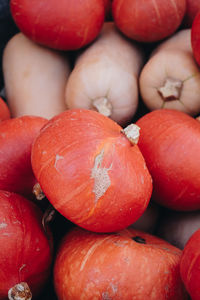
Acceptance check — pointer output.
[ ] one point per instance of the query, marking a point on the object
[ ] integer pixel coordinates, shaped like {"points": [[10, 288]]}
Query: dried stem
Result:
{"points": [[171, 90], [37, 191], [20, 291], [132, 132], [103, 106]]}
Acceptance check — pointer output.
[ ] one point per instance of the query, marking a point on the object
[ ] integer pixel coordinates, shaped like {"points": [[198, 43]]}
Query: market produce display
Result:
{"points": [[99, 150]]}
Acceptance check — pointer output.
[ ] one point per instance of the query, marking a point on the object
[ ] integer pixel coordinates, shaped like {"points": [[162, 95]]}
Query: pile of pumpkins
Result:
{"points": [[99, 151]]}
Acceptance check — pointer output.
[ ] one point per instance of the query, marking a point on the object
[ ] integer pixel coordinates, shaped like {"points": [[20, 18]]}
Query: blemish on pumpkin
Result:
{"points": [[114, 287], [22, 267], [58, 157], [3, 225], [101, 177], [106, 296], [139, 239], [6, 234], [91, 251]]}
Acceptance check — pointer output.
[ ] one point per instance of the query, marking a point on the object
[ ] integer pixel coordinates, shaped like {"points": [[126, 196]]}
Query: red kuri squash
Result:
{"points": [[125, 265], [190, 265], [170, 143], [90, 171], [148, 21], [63, 25], [4, 110], [16, 138], [25, 250]]}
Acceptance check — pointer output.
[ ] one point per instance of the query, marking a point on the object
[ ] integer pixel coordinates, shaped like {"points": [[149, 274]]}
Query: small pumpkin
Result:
{"points": [[90, 171], [129, 264]]}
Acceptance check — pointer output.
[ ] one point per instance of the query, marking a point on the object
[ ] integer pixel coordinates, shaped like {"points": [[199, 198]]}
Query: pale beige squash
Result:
{"points": [[171, 78], [35, 78], [105, 76]]}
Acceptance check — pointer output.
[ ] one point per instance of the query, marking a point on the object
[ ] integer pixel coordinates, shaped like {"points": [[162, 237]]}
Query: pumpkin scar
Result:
{"points": [[57, 158], [3, 225], [100, 176], [91, 251]]}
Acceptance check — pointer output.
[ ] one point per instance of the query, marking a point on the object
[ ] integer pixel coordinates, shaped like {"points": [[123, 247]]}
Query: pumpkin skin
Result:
{"points": [[90, 172], [16, 138], [170, 143], [4, 110], [148, 21], [25, 250], [115, 266], [192, 8], [195, 40], [67, 26], [190, 265]]}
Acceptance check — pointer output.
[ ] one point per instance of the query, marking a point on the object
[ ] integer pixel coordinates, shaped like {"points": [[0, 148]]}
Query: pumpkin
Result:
{"points": [[148, 21], [63, 25], [129, 264], [90, 171], [25, 248], [16, 138], [190, 265], [4, 110], [170, 143]]}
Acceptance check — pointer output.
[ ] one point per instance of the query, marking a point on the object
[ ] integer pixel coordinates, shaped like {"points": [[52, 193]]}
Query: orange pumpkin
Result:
{"points": [[90, 171], [190, 265], [4, 110], [126, 265], [170, 143]]}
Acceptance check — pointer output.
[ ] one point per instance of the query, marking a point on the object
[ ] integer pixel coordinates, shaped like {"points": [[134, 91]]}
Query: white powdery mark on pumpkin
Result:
{"points": [[58, 157], [100, 176], [3, 225], [22, 267]]}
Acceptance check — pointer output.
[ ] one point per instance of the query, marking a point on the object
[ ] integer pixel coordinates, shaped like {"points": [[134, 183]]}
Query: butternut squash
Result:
{"points": [[171, 78], [105, 76], [35, 78]]}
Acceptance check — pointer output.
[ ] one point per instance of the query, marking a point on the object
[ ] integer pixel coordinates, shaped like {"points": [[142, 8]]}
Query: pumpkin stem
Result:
{"points": [[139, 239], [48, 216], [171, 89], [198, 118], [20, 291], [103, 106], [37, 191], [132, 132]]}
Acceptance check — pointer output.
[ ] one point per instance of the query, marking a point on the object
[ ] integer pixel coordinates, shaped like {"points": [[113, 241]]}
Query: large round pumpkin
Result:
{"points": [[90, 171], [170, 143], [125, 265]]}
